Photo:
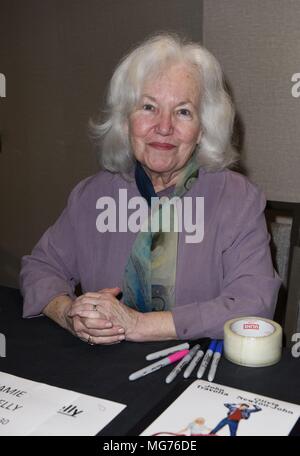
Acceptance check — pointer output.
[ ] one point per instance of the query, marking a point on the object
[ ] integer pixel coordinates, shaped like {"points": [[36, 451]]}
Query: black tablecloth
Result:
{"points": [[41, 351]]}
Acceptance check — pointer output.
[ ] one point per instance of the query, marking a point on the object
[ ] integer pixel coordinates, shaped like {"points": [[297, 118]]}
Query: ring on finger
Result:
{"points": [[89, 341]]}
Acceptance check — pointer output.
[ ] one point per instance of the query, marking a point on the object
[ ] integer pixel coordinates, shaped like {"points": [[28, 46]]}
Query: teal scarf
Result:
{"points": [[150, 273]]}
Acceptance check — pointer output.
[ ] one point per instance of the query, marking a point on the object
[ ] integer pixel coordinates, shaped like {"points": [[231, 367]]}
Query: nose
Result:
{"points": [[164, 124]]}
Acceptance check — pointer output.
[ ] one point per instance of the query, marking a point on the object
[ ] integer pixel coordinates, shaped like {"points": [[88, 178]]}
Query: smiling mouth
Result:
{"points": [[162, 146]]}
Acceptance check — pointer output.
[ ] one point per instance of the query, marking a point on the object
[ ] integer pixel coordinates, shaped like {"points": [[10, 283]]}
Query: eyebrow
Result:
{"points": [[144, 95]]}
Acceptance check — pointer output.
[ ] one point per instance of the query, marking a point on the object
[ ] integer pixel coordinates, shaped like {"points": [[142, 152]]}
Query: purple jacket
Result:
{"points": [[227, 275]]}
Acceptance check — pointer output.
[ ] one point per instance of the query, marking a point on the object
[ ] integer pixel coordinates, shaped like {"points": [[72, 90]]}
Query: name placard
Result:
{"points": [[31, 408]]}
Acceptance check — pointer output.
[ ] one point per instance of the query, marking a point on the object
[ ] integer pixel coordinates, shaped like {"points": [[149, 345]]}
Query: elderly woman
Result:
{"points": [[167, 135]]}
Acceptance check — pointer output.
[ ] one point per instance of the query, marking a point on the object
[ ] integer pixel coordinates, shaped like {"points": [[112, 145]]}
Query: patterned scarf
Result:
{"points": [[150, 273]]}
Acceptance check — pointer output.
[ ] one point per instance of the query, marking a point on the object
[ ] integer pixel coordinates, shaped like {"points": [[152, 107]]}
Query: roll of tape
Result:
{"points": [[252, 341]]}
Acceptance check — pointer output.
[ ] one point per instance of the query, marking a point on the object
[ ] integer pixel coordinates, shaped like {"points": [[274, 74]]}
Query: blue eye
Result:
{"points": [[184, 112], [148, 107]]}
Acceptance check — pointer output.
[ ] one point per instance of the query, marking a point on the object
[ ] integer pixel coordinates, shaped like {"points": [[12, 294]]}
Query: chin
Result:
{"points": [[161, 170], [159, 167]]}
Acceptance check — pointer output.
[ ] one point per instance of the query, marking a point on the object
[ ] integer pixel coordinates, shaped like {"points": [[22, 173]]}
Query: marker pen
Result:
{"points": [[215, 361], [161, 363], [207, 358], [193, 363], [167, 351], [182, 363]]}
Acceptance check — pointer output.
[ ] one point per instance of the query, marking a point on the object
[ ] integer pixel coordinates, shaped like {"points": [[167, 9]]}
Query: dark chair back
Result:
{"points": [[283, 220]]}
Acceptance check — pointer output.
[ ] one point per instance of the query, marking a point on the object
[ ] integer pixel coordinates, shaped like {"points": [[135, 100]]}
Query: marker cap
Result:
{"points": [[178, 355], [212, 345], [219, 347]]}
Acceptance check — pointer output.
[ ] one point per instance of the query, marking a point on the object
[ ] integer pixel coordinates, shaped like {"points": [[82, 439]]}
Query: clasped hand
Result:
{"points": [[100, 318]]}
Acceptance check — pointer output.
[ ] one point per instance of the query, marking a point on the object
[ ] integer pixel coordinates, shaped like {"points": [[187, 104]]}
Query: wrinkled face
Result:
{"points": [[164, 127]]}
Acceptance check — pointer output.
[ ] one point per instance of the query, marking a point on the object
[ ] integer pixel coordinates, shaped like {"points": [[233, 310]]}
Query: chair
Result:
{"points": [[283, 220], [292, 315]]}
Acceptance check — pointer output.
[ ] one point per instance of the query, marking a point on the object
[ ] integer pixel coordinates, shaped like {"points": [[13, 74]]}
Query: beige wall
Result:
{"points": [[57, 57], [258, 45]]}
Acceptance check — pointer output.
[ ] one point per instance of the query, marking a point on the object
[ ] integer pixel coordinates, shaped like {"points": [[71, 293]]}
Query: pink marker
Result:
{"points": [[161, 363]]}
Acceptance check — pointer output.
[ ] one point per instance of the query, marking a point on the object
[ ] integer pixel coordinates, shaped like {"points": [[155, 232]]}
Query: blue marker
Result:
{"points": [[207, 357], [215, 361]]}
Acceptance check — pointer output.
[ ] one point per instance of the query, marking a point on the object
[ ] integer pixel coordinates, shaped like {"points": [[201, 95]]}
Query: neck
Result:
{"points": [[161, 181]]}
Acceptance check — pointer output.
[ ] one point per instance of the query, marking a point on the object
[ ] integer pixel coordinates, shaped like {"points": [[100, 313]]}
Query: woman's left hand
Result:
{"points": [[104, 304], [138, 326]]}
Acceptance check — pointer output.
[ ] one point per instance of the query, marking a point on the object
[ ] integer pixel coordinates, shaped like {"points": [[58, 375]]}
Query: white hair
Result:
{"points": [[151, 57]]}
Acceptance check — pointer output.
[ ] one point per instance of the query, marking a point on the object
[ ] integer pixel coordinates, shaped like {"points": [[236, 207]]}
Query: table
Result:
{"points": [[41, 351]]}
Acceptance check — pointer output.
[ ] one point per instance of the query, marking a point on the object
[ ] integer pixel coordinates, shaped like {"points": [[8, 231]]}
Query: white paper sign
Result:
{"points": [[31, 408], [208, 408]]}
